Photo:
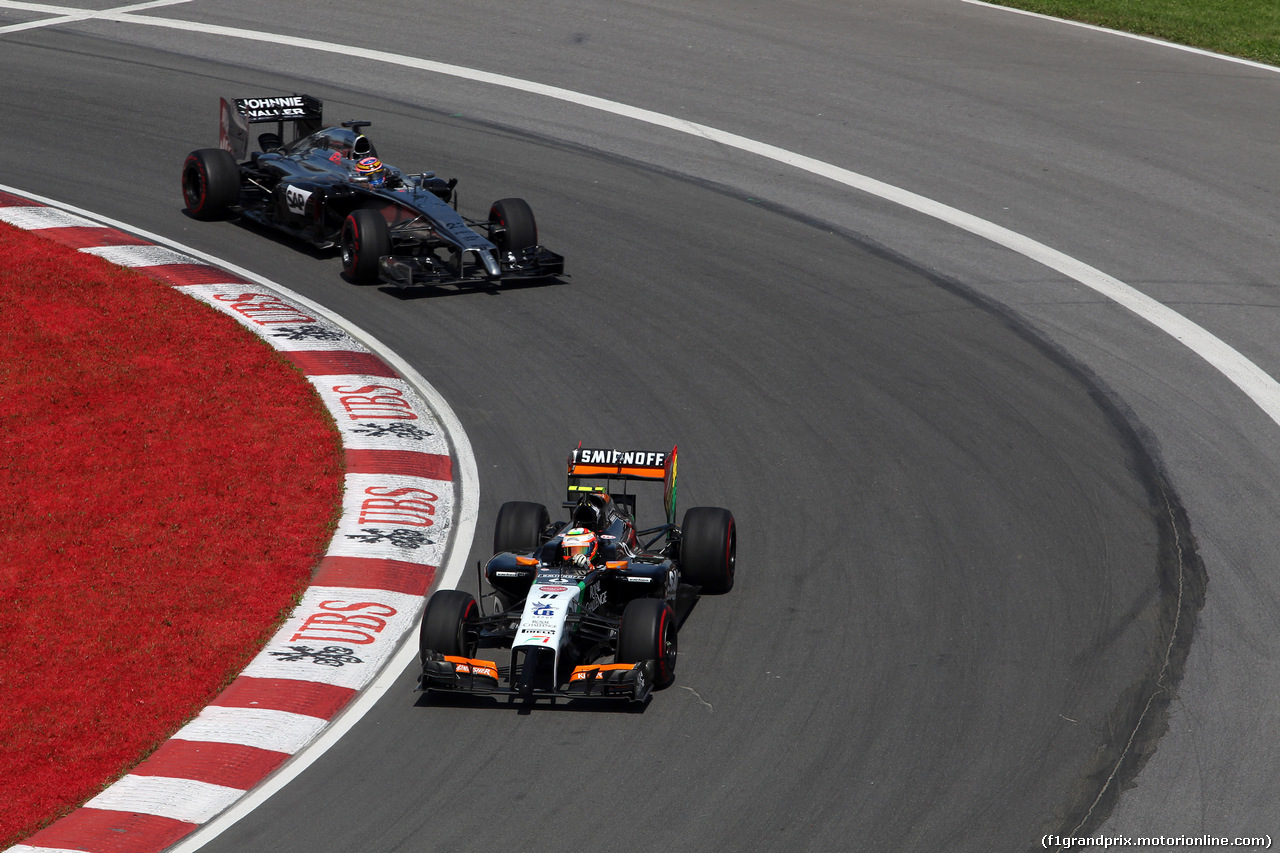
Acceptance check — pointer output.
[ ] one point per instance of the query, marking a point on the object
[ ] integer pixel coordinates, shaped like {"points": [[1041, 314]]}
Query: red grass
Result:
{"points": [[167, 485]]}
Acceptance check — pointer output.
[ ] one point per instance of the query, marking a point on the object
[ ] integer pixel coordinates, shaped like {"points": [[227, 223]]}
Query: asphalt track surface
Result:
{"points": [[957, 474]]}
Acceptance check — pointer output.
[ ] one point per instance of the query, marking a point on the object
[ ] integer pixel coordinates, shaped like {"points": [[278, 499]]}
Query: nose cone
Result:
{"points": [[491, 267]]}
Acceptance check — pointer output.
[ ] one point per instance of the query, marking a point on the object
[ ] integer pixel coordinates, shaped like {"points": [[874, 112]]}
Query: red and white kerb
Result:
{"points": [[395, 525]]}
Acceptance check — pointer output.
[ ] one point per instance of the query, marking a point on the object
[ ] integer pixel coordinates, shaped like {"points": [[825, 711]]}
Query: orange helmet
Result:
{"points": [[578, 541]]}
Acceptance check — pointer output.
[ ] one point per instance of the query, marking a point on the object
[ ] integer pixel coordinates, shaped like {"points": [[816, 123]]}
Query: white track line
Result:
{"points": [[1233, 365], [1239, 370], [1135, 36], [67, 15]]}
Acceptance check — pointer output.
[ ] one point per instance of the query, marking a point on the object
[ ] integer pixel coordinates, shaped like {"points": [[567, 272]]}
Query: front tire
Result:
{"points": [[520, 526], [511, 225], [648, 632], [365, 239], [210, 183], [448, 625], [709, 549]]}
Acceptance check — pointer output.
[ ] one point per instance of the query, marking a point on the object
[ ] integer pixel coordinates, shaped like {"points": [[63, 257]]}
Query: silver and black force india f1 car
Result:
{"points": [[588, 606], [326, 185]]}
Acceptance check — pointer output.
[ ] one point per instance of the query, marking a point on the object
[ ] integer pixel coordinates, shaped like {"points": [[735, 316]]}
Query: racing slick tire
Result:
{"points": [[511, 225], [648, 632], [520, 526], [210, 183], [448, 624], [365, 239], [708, 549]]}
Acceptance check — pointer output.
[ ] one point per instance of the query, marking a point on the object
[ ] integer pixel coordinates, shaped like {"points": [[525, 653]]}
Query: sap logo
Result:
{"points": [[296, 199]]}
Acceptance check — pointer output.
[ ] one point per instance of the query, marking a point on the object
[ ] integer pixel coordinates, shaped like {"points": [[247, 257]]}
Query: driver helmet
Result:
{"points": [[577, 541], [372, 168]]}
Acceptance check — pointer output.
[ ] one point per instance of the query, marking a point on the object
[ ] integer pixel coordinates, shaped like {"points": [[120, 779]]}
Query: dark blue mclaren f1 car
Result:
{"points": [[327, 186]]}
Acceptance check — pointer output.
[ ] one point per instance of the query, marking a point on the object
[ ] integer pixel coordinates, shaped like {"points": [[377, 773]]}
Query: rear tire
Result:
{"points": [[365, 239], [709, 549], [648, 632], [210, 183], [520, 526], [512, 226], [448, 625]]}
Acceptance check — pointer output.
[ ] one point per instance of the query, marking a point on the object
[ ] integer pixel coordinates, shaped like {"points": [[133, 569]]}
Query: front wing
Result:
{"points": [[451, 674], [536, 262]]}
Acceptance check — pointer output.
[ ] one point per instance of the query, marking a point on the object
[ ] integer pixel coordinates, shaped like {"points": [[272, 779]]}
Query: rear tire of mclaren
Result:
{"points": [[520, 526], [648, 632], [511, 225], [365, 239], [709, 549], [448, 625], [210, 183]]}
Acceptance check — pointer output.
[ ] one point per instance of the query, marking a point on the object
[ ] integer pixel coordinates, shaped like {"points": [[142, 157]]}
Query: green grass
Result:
{"points": [[1244, 28]]}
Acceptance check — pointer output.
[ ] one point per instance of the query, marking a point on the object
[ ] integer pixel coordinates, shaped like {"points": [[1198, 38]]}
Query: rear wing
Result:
{"points": [[303, 113], [594, 464]]}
